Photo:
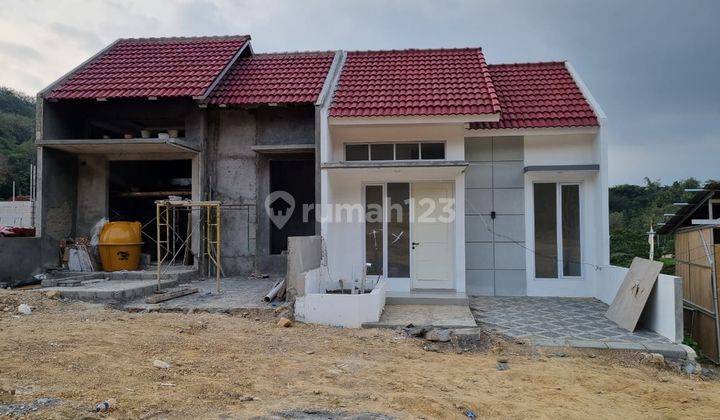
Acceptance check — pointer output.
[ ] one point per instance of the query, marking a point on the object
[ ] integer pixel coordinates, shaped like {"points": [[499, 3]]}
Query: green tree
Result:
{"points": [[17, 141]]}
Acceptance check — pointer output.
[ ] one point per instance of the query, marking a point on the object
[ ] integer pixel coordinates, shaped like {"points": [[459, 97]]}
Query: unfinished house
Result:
{"points": [[368, 180], [188, 118]]}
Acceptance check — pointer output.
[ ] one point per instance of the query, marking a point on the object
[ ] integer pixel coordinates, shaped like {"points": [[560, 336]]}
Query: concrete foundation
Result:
{"points": [[237, 295], [119, 286]]}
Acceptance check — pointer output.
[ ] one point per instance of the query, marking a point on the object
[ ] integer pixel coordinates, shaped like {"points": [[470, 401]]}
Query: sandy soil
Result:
{"points": [[84, 354]]}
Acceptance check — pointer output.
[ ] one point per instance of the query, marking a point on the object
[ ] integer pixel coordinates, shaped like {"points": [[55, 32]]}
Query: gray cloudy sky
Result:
{"points": [[652, 65]]}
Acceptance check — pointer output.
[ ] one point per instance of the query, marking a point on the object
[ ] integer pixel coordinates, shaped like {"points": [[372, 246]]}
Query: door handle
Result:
{"points": [[414, 244]]}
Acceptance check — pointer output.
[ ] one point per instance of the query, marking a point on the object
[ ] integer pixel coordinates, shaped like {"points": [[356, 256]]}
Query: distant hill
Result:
{"points": [[17, 136]]}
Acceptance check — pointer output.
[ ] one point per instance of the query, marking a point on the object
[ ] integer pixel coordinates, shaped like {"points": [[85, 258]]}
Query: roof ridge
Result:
{"points": [[527, 63], [279, 53], [489, 83], [441, 49], [186, 38]]}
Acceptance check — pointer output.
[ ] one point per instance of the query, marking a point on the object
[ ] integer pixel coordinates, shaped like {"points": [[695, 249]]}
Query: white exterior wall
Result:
{"points": [[570, 149], [344, 238]]}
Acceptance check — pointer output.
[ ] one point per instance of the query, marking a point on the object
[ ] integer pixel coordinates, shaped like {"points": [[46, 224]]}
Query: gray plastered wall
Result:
{"points": [[237, 175], [494, 181]]}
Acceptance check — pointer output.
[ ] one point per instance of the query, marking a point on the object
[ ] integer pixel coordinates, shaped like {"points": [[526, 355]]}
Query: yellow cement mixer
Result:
{"points": [[119, 245]]}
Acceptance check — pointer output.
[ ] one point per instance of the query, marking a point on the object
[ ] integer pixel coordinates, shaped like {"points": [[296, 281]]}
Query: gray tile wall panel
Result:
{"points": [[495, 265], [509, 256], [478, 201], [476, 230], [480, 282], [509, 201], [509, 228], [479, 256], [478, 149], [479, 176], [510, 283], [508, 148], [508, 175]]}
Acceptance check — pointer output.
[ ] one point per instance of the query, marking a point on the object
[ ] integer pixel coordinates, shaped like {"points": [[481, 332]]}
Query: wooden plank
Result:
{"points": [[161, 297], [633, 293]]}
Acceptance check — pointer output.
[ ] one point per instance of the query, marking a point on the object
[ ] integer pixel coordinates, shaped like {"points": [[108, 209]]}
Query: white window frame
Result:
{"points": [[558, 230]]}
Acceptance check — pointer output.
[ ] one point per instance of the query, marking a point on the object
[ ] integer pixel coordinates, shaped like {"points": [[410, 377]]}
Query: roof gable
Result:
{"points": [[538, 95], [440, 82], [277, 78], [159, 67]]}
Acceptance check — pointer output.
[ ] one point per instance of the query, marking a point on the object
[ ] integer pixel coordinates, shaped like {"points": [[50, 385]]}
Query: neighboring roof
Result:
{"points": [[440, 82], [278, 78], [160, 67], [538, 95], [695, 205]]}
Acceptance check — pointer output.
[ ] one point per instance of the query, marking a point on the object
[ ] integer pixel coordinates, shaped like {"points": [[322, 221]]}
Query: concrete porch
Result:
{"points": [[566, 322]]}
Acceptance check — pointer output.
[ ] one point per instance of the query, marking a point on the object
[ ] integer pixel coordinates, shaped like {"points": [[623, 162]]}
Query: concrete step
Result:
{"points": [[118, 287], [416, 297]]}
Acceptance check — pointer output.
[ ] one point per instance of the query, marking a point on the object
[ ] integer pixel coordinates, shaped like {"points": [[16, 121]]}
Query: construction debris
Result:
{"points": [[284, 322], [17, 410], [278, 290], [438, 335], [105, 406], [167, 295], [633, 293], [160, 364], [53, 294], [24, 309]]}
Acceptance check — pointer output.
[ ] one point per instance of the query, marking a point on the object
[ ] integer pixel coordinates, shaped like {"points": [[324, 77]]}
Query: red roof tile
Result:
{"points": [[538, 95], [162, 67], [414, 83], [281, 78]]}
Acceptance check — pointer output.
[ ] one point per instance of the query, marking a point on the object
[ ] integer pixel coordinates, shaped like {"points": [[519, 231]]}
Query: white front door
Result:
{"points": [[432, 235]]}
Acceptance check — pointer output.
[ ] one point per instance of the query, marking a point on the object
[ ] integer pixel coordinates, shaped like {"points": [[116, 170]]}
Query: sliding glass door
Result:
{"points": [[557, 248]]}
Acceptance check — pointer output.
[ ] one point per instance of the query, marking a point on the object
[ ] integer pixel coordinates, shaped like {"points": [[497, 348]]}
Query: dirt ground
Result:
{"points": [[237, 367]]}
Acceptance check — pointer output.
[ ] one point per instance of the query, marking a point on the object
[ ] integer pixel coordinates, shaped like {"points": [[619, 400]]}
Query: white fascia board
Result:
{"points": [[67, 75], [529, 131], [459, 119], [599, 113]]}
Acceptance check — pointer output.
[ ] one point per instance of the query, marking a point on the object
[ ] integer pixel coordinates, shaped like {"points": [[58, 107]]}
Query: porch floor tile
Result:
{"points": [[554, 319]]}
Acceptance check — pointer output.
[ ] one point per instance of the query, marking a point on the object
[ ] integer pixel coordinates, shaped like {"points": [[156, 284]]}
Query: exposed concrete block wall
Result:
{"points": [[495, 264], [20, 259]]}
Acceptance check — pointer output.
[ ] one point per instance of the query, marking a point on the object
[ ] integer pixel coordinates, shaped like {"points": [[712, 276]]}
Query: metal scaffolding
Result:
{"points": [[167, 236]]}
